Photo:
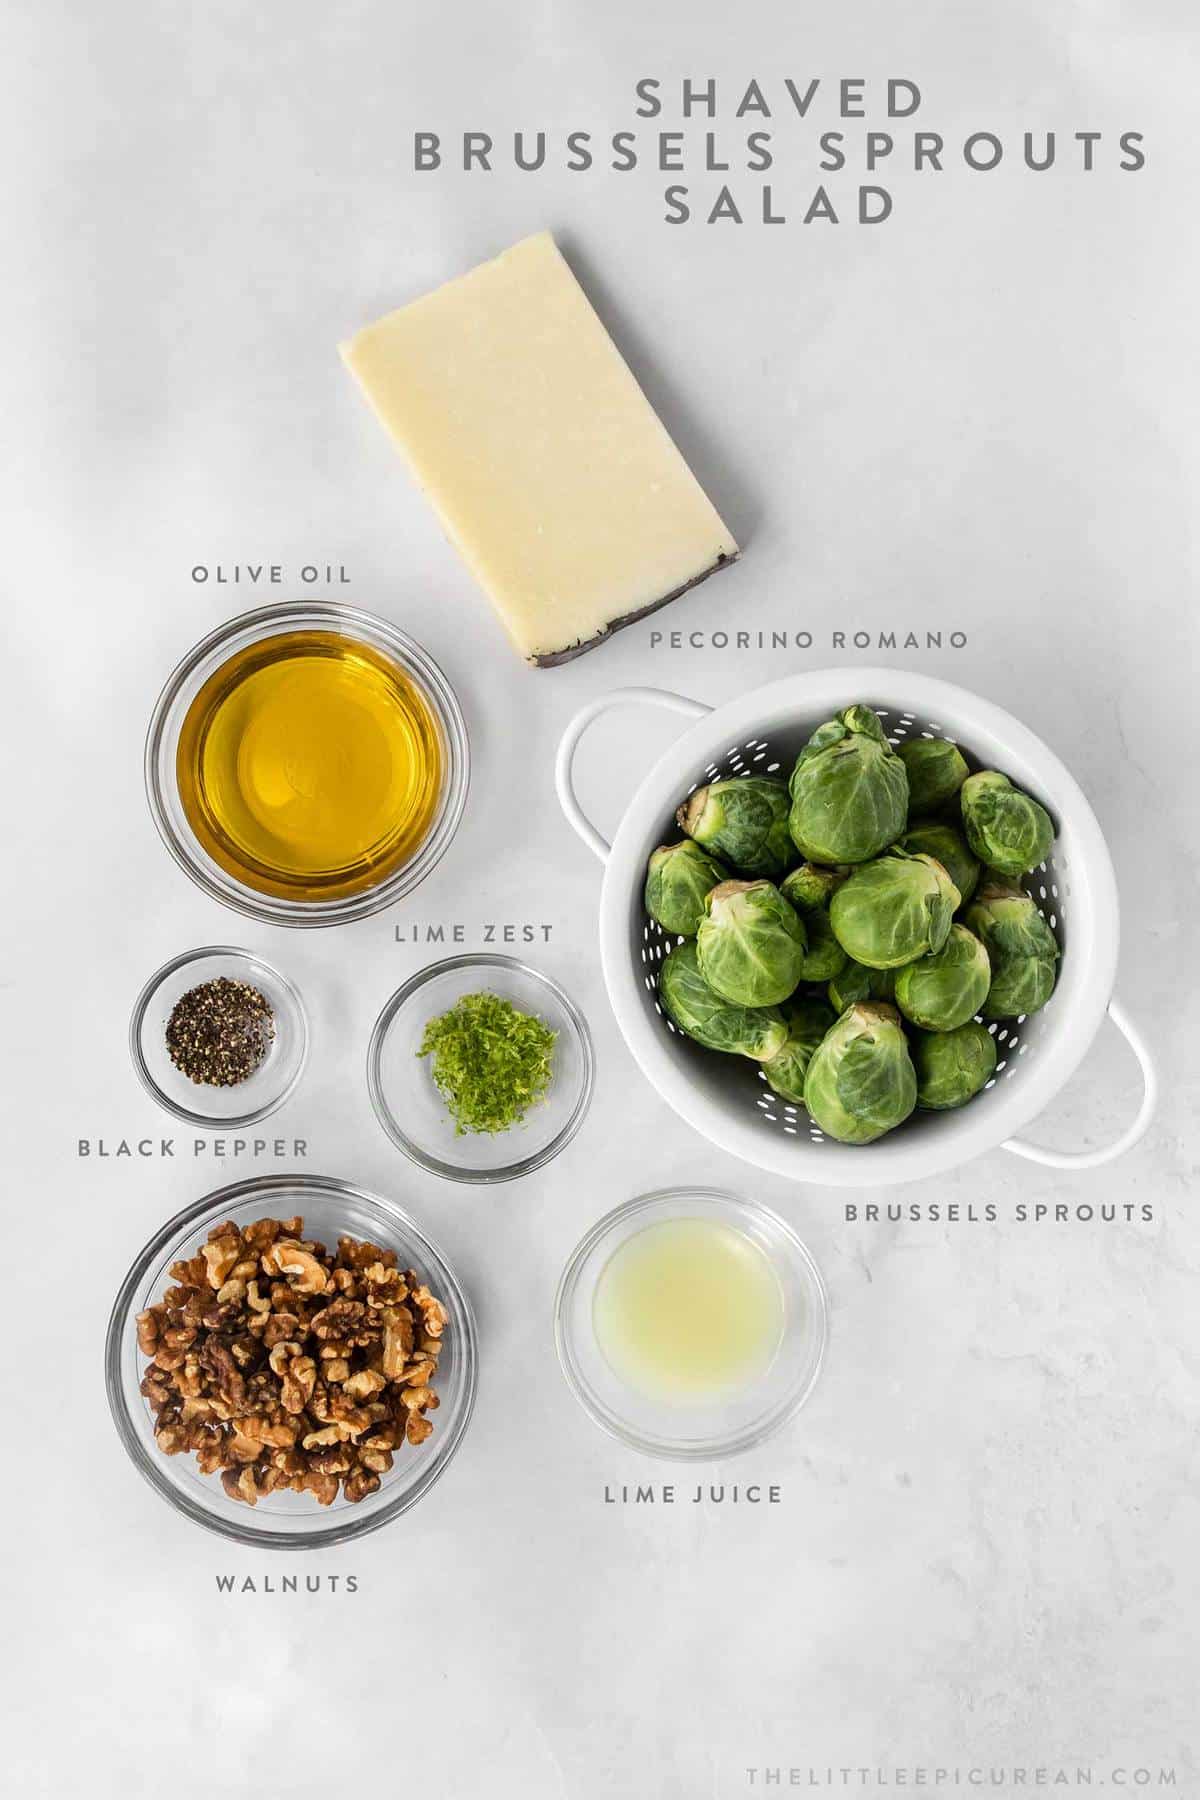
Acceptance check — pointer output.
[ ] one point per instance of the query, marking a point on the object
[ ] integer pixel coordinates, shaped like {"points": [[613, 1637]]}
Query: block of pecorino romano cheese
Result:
{"points": [[549, 469]]}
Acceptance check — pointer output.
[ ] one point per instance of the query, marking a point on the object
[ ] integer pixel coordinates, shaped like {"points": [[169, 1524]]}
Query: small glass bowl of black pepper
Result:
{"points": [[218, 1037]]}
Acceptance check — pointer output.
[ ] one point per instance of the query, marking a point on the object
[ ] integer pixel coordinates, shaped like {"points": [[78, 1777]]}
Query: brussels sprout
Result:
{"points": [[883, 983], [751, 943], [851, 984], [952, 1066], [849, 791], [809, 890], [1005, 828], [1020, 948], [894, 909], [855, 982], [677, 880], [808, 1021], [943, 990], [929, 837], [689, 1003], [744, 822], [809, 887], [935, 769], [860, 1082], [824, 957]]}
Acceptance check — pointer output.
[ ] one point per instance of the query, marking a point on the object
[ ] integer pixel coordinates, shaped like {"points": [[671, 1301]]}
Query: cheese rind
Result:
{"points": [[551, 472]]}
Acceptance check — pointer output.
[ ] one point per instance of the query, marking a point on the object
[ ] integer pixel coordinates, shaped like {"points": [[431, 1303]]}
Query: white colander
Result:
{"points": [[726, 1097]]}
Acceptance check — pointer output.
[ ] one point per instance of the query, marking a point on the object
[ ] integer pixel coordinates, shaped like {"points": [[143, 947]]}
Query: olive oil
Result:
{"points": [[310, 766], [688, 1309]]}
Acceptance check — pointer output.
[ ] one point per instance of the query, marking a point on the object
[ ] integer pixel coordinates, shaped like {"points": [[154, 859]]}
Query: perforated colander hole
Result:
{"points": [[772, 768], [1054, 889], [989, 1084], [1053, 920]]}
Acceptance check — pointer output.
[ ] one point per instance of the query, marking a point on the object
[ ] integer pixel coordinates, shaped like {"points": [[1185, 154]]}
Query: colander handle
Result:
{"points": [[1092, 1159], [564, 775]]}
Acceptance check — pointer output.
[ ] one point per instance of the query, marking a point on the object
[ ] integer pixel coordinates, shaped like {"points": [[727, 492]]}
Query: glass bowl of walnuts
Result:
{"points": [[290, 1362]]}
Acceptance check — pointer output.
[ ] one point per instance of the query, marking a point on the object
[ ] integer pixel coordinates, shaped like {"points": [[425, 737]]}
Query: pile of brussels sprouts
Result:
{"points": [[849, 929]]}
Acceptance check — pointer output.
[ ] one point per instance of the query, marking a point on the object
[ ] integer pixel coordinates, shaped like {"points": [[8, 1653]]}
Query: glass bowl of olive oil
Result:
{"points": [[307, 764], [691, 1324]]}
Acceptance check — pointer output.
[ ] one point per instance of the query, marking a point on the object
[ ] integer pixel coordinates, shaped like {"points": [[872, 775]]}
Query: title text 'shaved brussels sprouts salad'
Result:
{"points": [[849, 930]]}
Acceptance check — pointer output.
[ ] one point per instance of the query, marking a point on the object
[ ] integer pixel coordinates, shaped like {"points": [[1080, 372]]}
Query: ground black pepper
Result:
{"points": [[219, 1033]]}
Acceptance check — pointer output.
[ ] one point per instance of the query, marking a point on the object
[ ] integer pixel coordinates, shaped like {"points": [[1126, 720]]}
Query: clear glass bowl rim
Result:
{"points": [[387, 1119], [205, 1120], [670, 1450], [121, 1321], [350, 621]]}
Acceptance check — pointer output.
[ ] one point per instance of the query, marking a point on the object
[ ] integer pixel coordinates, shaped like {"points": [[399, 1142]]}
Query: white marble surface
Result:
{"points": [[979, 416]]}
